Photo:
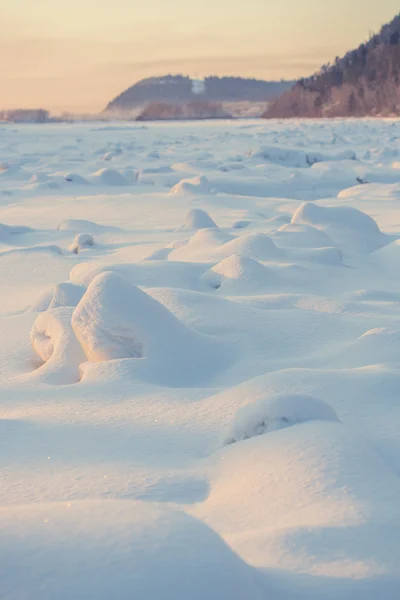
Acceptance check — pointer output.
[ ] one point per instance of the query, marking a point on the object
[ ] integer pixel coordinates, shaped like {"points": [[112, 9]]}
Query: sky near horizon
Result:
{"points": [[78, 54]]}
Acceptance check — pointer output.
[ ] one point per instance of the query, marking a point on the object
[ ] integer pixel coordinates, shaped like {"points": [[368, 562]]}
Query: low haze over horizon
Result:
{"points": [[78, 56]]}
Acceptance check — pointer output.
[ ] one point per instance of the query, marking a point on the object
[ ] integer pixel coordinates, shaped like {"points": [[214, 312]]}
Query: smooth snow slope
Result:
{"points": [[200, 335]]}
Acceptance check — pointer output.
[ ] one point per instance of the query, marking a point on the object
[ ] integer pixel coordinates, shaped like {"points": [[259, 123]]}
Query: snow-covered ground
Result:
{"points": [[200, 338]]}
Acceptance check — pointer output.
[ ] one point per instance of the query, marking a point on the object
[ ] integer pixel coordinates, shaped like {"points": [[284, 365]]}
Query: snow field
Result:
{"points": [[200, 334]]}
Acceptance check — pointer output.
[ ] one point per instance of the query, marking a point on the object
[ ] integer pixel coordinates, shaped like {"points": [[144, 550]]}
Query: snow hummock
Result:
{"points": [[276, 412], [63, 294], [302, 236], [81, 241], [346, 225], [306, 498], [109, 177], [117, 320], [198, 219], [194, 185], [54, 341], [75, 178], [238, 274], [254, 245], [82, 226]]}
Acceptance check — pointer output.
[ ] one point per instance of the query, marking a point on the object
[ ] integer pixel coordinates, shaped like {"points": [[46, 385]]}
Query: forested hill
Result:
{"points": [[366, 81], [182, 89]]}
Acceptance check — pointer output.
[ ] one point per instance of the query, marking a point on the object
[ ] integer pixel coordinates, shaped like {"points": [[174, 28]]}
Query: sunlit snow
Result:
{"points": [[200, 384]]}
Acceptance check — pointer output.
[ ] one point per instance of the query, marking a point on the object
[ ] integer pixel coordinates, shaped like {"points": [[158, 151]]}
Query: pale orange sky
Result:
{"points": [[78, 54]]}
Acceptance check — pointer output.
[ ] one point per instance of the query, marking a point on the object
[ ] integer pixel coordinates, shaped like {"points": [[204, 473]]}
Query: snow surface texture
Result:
{"points": [[199, 380]]}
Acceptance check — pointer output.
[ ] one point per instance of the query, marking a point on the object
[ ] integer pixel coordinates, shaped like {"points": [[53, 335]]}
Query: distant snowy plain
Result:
{"points": [[200, 341]]}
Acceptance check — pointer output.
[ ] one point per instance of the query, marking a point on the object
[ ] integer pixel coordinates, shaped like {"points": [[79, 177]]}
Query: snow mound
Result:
{"points": [[42, 185], [388, 257], [111, 154], [277, 412], [208, 245], [238, 274], [63, 294], [198, 219], [195, 185], [339, 216], [75, 178], [148, 273], [346, 225], [81, 241], [324, 256], [294, 235], [379, 346], [55, 343], [315, 499], [116, 549], [117, 320], [82, 226], [204, 245], [110, 177], [254, 245]]}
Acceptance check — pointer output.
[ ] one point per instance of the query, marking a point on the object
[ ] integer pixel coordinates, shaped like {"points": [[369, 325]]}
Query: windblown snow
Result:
{"points": [[200, 361]]}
